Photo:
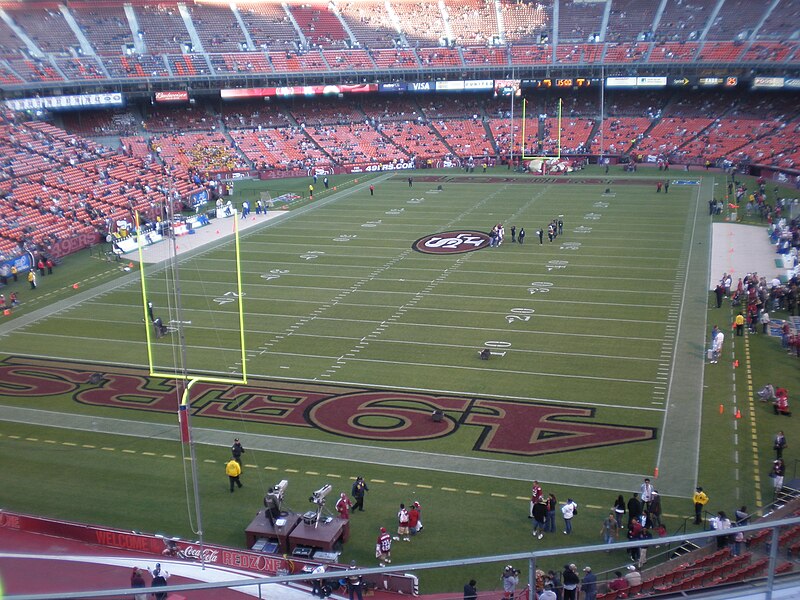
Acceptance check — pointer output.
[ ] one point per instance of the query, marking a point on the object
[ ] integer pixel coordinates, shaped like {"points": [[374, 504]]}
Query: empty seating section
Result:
{"points": [[394, 59], [631, 20], [100, 123], [207, 151], [720, 51], [162, 28], [451, 108], [477, 56], [736, 20], [370, 23], [217, 28], [531, 55], [417, 139], [136, 66], [252, 114], [381, 109], [683, 20], [778, 147], [574, 135], [178, 120], [187, 65], [330, 112], [241, 62], [467, 137], [77, 69], [105, 26], [781, 24], [626, 52], [347, 60], [269, 25], [420, 21], [769, 51], [285, 148], [320, 25], [618, 134], [46, 26], [671, 133], [579, 53], [10, 44], [501, 132], [727, 135], [579, 20], [8, 77], [356, 143], [473, 21], [58, 185], [526, 22], [439, 57], [673, 52], [35, 70], [135, 146], [295, 62]]}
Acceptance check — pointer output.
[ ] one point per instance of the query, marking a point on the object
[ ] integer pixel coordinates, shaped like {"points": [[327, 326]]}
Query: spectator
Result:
{"points": [[589, 584], [633, 577], [619, 583], [568, 511], [570, 581], [470, 591]]}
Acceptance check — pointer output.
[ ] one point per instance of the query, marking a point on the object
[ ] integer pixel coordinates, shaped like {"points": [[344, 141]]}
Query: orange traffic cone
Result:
{"points": [[130, 265], [655, 473], [721, 409], [736, 364], [75, 286], [738, 414]]}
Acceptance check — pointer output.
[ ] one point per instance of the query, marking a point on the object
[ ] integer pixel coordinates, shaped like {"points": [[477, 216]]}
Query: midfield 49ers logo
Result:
{"points": [[498, 426], [451, 242]]}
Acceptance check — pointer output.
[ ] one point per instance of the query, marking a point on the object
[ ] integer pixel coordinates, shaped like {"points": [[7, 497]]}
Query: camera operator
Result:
{"points": [[510, 580]]}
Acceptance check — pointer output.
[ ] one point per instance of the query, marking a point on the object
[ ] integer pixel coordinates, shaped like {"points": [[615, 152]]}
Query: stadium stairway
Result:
{"points": [[224, 131]]}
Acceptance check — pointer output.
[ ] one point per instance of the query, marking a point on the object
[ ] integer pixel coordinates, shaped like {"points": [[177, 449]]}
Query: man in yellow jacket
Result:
{"points": [[700, 499], [233, 470], [739, 324]]}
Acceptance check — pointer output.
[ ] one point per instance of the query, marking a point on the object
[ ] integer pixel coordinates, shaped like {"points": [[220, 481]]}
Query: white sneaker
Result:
{"points": [[541, 535], [395, 538], [406, 539]]}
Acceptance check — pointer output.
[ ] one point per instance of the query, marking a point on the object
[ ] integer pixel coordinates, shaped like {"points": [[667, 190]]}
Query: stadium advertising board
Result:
{"points": [[392, 88], [478, 85], [175, 96], [449, 86], [23, 262], [67, 102], [199, 198], [655, 82], [421, 87], [374, 167], [297, 90], [768, 83], [616, 82]]}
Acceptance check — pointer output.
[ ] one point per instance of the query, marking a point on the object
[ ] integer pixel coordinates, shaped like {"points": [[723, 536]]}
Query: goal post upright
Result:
{"points": [[184, 373]]}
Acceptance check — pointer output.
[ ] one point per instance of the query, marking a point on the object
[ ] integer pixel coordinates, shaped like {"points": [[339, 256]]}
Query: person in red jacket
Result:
{"points": [[413, 518], [383, 548]]}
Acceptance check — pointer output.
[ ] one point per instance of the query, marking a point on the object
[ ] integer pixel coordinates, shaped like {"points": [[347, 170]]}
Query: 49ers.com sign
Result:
{"points": [[500, 426]]}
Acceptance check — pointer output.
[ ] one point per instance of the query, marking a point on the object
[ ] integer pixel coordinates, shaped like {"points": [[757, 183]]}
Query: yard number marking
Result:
{"points": [[227, 298], [274, 274], [519, 314], [540, 287]]}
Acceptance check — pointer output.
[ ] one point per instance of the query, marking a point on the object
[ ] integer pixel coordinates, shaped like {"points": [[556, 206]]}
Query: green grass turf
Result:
{"points": [[595, 339]]}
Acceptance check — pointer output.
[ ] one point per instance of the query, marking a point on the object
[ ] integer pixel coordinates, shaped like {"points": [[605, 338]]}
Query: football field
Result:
{"points": [[365, 314]]}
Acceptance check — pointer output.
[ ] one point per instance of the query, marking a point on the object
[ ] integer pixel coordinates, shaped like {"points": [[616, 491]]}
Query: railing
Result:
{"points": [[530, 558]]}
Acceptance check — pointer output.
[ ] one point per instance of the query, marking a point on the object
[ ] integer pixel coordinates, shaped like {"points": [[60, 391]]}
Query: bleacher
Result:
{"points": [[736, 20], [187, 65], [473, 22], [136, 66], [526, 22], [579, 20], [269, 25], [370, 23], [682, 20], [162, 28], [631, 20], [241, 62], [348, 60], [217, 28], [46, 26], [10, 44], [319, 24], [104, 25], [412, 14], [35, 70], [356, 143], [79, 69], [285, 148]]}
